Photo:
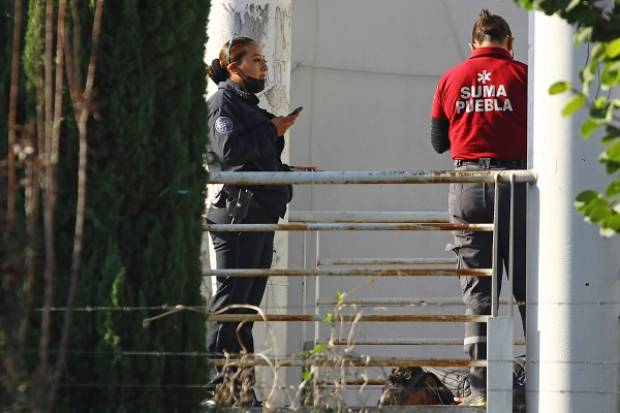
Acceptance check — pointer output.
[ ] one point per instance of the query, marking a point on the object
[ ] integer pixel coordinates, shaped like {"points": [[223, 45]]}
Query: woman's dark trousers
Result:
{"points": [[238, 250]]}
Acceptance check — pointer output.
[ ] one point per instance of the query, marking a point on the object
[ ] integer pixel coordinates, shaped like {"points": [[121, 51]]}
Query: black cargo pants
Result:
{"points": [[238, 250], [474, 203]]}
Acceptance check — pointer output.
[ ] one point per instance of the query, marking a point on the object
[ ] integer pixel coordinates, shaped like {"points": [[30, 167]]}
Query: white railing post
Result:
{"points": [[499, 364]]}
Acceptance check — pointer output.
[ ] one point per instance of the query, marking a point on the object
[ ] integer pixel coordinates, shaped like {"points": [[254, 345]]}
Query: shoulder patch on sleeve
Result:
{"points": [[224, 124]]}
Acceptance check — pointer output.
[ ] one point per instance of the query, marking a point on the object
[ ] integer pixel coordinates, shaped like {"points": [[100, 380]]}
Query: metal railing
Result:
{"points": [[500, 334]]}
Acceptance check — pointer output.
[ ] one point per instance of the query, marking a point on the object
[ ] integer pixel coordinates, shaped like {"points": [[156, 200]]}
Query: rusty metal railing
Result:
{"points": [[349, 227], [370, 177], [355, 272], [350, 362], [500, 329], [400, 318]]}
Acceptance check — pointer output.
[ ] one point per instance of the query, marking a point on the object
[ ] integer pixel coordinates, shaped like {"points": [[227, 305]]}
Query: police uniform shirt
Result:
{"points": [[243, 138], [483, 101]]}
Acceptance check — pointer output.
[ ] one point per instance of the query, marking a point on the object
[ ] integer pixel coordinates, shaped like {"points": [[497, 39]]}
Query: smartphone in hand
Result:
{"points": [[296, 111]]}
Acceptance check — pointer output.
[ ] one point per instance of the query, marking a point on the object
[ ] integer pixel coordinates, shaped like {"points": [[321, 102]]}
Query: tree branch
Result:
{"points": [[71, 77], [17, 24], [48, 212], [77, 43], [52, 132], [58, 88], [82, 111], [32, 212]]}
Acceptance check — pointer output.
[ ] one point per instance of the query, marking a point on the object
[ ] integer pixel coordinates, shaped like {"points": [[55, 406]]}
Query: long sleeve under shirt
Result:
{"points": [[439, 135]]}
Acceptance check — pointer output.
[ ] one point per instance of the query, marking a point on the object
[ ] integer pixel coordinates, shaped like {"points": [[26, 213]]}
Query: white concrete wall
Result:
{"points": [[365, 72]]}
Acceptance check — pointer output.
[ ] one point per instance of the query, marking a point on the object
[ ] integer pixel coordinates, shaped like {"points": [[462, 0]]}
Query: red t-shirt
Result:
{"points": [[484, 100]]}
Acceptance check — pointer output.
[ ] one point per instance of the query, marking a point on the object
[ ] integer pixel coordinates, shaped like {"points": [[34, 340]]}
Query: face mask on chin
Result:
{"points": [[253, 85]]}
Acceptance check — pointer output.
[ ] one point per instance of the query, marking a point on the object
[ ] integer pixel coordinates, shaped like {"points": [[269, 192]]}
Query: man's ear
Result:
{"points": [[472, 47], [509, 44]]}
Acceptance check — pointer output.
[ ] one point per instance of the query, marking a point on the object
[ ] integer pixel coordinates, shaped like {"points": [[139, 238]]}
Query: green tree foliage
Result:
{"points": [[145, 199], [599, 27]]}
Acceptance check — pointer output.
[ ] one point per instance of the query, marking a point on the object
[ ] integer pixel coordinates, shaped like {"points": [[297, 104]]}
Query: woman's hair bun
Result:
{"points": [[490, 27], [484, 14], [216, 72]]}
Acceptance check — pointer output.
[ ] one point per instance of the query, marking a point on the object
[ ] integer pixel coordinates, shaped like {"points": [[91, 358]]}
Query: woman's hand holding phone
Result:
{"points": [[296, 111], [283, 123]]}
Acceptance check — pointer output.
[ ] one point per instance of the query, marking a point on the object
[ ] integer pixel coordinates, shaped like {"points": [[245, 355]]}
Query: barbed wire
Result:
{"points": [[204, 308], [183, 386], [91, 308], [140, 386], [132, 353], [163, 386], [295, 356], [266, 386]]}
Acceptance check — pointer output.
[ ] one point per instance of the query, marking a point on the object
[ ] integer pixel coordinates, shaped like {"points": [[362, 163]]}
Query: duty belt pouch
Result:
{"points": [[238, 203]]}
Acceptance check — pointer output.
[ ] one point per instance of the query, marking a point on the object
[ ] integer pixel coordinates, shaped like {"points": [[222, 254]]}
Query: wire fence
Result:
{"points": [[345, 267]]}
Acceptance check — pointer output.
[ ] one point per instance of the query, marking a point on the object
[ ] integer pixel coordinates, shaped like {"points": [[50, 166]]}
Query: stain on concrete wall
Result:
{"points": [[277, 94], [251, 21]]}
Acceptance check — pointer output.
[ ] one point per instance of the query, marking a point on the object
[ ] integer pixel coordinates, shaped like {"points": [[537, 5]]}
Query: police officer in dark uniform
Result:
{"points": [[480, 114], [243, 137]]}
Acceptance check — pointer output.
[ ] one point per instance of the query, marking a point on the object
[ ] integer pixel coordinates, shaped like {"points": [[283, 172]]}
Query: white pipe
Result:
{"points": [[410, 342], [386, 261], [568, 261], [368, 216], [381, 304]]}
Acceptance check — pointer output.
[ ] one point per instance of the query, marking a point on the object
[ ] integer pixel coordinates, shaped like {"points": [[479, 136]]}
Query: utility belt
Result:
{"points": [[237, 201], [487, 163]]}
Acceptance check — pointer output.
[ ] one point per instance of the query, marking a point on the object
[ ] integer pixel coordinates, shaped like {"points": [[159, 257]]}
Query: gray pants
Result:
{"points": [[474, 203]]}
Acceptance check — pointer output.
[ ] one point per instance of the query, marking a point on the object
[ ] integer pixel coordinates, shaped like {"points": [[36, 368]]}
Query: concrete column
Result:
{"points": [[267, 21], [573, 332]]}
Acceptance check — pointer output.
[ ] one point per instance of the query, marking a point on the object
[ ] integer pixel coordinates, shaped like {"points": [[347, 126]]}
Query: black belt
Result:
{"points": [[487, 162]]}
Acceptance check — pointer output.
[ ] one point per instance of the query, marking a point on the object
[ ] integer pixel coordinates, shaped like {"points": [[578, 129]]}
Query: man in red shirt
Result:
{"points": [[480, 114]]}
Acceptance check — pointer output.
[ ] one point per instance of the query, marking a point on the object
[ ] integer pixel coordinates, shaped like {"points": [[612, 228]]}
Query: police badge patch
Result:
{"points": [[224, 124]]}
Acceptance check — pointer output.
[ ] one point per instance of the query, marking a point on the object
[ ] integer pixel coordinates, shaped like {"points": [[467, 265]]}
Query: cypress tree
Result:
{"points": [[146, 198], [144, 205]]}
